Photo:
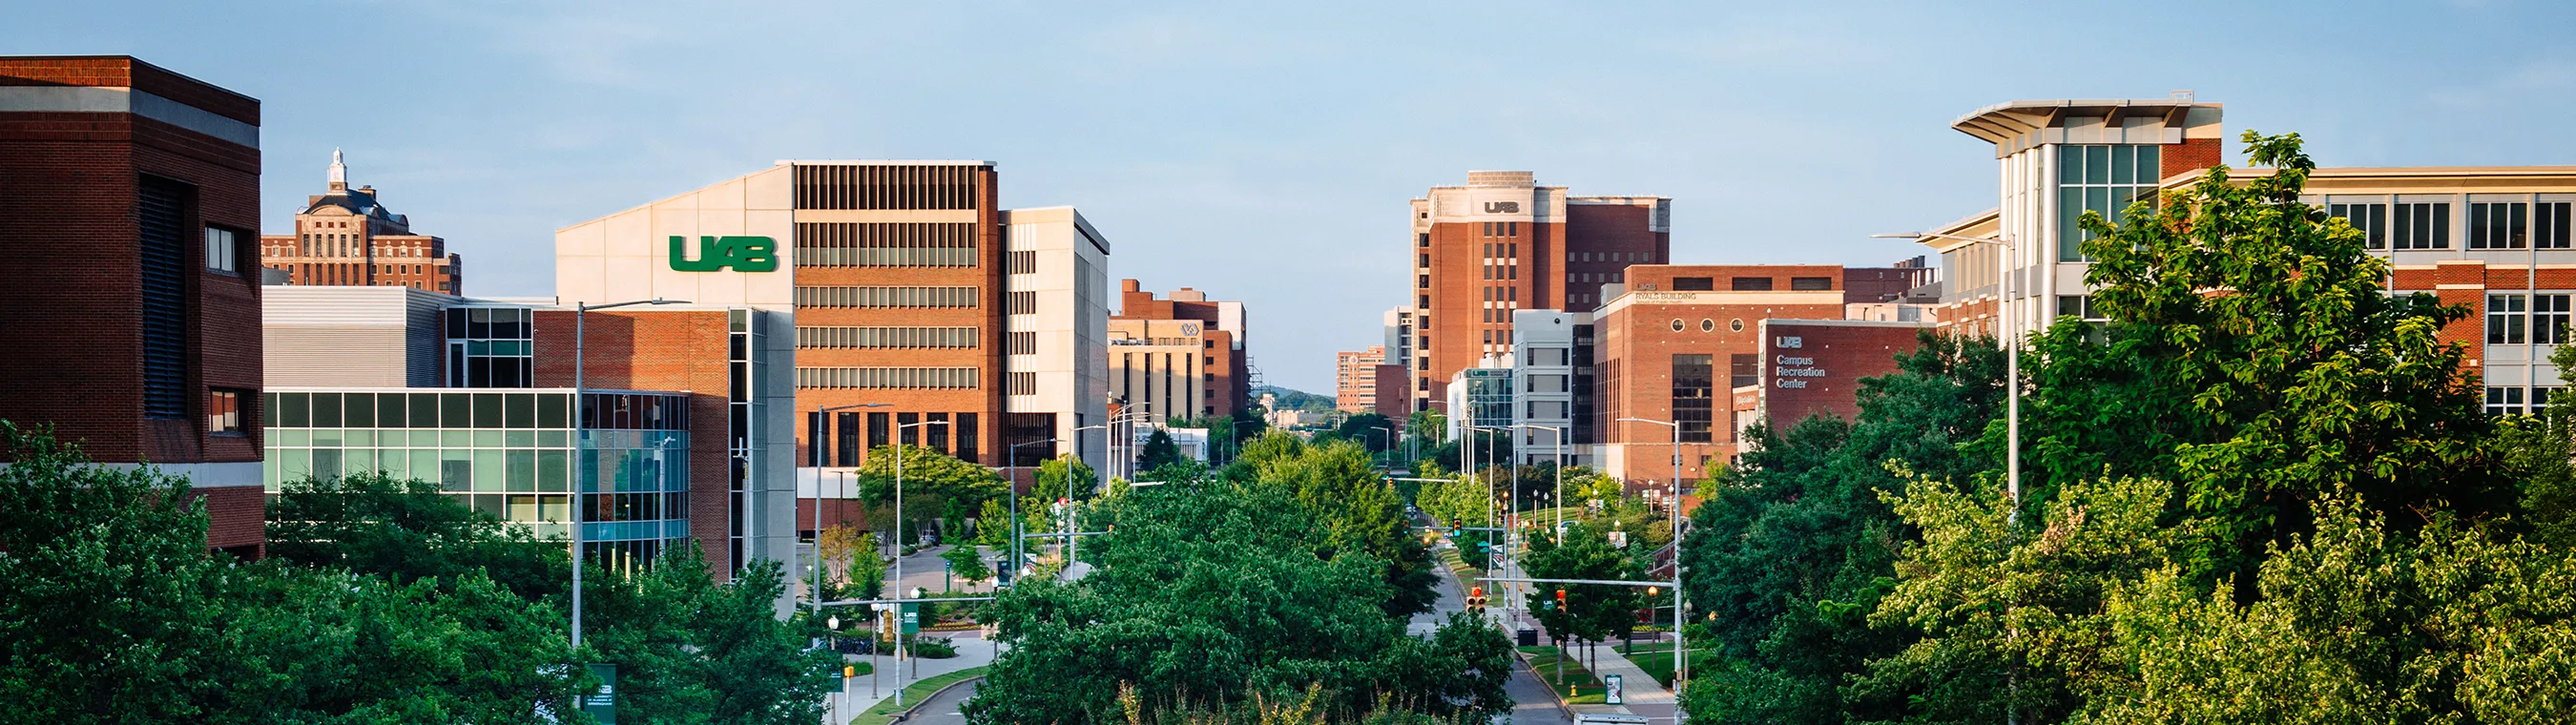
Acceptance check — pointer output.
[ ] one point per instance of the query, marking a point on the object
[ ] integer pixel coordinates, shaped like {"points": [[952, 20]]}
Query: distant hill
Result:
{"points": [[1296, 399]]}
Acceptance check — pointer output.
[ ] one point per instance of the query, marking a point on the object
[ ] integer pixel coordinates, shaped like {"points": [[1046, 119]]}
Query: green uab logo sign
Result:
{"points": [[743, 254]]}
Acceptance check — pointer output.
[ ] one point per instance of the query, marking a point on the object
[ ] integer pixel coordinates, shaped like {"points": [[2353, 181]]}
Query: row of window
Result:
{"points": [[885, 186], [2492, 225], [888, 337], [888, 297], [626, 411], [916, 378], [1023, 303], [841, 444], [2519, 400], [1502, 229], [1022, 383], [1024, 343], [2515, 319], [1024, 262], [894, 257]]}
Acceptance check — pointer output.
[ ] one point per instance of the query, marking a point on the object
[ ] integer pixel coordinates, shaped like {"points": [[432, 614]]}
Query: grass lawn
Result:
{"points": [[885, 711], [1657, 659], [1469, 577], [1586, 688]]}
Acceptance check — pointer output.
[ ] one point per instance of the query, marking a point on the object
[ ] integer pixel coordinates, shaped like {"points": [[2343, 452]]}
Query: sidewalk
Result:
{"points": [[1643, 695], [972, 651]]}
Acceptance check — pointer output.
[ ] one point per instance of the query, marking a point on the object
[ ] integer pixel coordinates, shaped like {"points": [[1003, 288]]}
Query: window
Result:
{"points": [[888, 337], [1024, 343], [2549, 318], [1677, 324], [221, 254], [1024, 303], [2550, 225], [1023, 383], [1752, 284], [1694, 396], [1811, 283], [2104, 180], [223, 412], [1024, 262], [2504, 401], [2079, 307], [1422, 240], [2499, 226], [1743, 369], [2423, 226], [2505, 319], [1547, 356], [2540, 396], [2371, 219], [163, 207], [1694, 284], [886, 297]]}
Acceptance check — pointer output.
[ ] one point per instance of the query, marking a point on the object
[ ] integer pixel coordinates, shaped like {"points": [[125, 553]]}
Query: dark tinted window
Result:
{"points": [[1745, 284], [1688, 284]]}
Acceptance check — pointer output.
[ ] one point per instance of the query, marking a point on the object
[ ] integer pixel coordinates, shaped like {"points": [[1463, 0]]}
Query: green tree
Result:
{"points": [[966, 562], [1055, 473], [936, 487], [690, 649], [1159, 451], [2303, 376], [1358, 509], [1592, 612], [407, 530], [854, 553], [1210, 595], [1793, 548]]}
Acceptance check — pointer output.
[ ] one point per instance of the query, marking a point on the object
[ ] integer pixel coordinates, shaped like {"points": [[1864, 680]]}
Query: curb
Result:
{"points": [[1561, 707], [934, 695]]}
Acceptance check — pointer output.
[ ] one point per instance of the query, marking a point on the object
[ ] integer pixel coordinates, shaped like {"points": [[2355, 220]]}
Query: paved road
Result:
{"points": [[943, 710], [1531, 704]]}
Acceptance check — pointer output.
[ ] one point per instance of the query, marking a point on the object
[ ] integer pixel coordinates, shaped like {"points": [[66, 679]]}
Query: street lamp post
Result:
{"points": [[1559, 432], [1681, 655], [2012, 359], [581, 436], [898, 551], [816, 588]]}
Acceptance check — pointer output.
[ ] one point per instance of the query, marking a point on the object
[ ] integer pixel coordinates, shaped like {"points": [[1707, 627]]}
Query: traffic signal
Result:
{"points": [[1560, 597], [1476, 600]]}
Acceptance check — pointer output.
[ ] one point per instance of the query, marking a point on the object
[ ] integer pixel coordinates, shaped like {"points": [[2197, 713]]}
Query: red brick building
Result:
{"points": [[1503, 243], [1355, 379], [1389, 399], [1226, 363], [1808, 368], [129, 202], [345, 237], [1674, 343]]}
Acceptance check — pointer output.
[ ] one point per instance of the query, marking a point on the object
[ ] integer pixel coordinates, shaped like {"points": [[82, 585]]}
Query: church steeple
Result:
{"points": [[339, 173]]}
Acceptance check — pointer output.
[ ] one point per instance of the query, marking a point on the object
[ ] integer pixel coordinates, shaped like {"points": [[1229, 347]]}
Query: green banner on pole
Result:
{"points": [[912, 619], [601, 703]]}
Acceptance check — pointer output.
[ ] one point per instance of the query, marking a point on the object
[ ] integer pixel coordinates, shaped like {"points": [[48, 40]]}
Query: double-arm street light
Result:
{"points": [[1681, 655], [2004, 291], [581, 436], [817, 586]]}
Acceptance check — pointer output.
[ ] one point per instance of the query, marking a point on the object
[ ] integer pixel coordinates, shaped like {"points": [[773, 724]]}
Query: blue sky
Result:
{"points": [[1266, 152]]}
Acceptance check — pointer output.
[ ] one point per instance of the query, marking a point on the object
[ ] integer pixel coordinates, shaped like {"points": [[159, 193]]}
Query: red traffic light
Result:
{"points": [[1560, 596], [1476, 592]]}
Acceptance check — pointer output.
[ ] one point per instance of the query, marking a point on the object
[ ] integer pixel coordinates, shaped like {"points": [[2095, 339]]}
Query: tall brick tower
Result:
{"points": [[345, 237], [1503, 243]]}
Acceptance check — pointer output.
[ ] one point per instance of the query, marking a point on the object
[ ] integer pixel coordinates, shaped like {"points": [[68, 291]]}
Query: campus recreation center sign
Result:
{"points": [[743, 254]]}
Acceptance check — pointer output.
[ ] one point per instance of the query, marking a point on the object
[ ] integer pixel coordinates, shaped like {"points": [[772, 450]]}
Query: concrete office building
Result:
{"points": [[1058, 330], [1673, 340], [129, 195], [1480, 396], [2495, 239], [1164, 369], [344, 237], [1808, 368], [1553, 381], [1226, 378], [1355, 379], [1502, 243], [697, 370], [2059, 159], [894, 283]]}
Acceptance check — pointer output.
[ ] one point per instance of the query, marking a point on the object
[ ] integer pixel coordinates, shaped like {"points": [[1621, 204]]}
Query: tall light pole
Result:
{"points": [[1559, 432], [581, 435], [1681, 655], [1492, 521], [898, 551], [1385, 439], [815, 589], [2012, 358]]}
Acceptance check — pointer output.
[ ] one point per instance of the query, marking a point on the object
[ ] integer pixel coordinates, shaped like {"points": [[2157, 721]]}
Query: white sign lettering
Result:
{"points": [[1789, 342]]}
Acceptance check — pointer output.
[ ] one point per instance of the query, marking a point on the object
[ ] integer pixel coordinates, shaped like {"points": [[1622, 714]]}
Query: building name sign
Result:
{"points": [[1502, 207], [1791, 372], [743, 254]]}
